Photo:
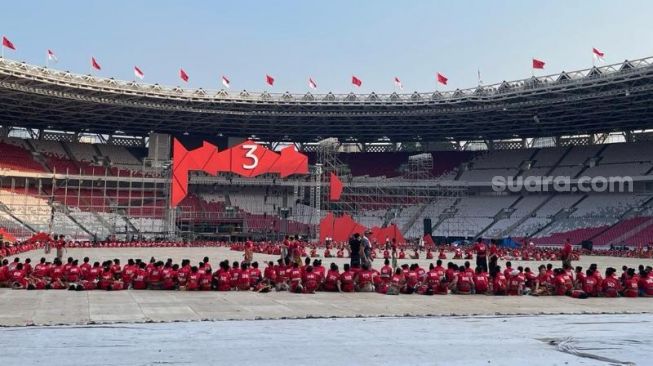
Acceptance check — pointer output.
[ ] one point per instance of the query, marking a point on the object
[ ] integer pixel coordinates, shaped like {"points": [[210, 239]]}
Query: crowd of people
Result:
{"points": [[297, 272]]}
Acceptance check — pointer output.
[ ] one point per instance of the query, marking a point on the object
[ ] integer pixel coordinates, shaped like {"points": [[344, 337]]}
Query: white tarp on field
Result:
{"points": [[526, 340]]}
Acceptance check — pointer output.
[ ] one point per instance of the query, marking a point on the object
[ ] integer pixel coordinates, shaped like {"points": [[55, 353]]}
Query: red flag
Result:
{"points": [[442, 79], [183, 75], [138, 73], [335, 187], [7, 43], [598, 53], [269, 80], [398, 83], [95, 64], [538, 64], [356, 81], [52, 56]]}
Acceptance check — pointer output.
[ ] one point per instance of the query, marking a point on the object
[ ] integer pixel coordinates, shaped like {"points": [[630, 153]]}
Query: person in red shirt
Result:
{"points": [[19, 277], [140, 280], [206, 279], [531, 279], [507, 272], [397, 283], [116, 268], [309, 281], [386, 271], [169, 276], [566, 254], [155, 276], [560, 283], [412, 279], [74, 273], [270, 274], [364, 280], [5, 274], [27, 266], [481, 281], [346, 282], [499, 282], [327, 253], [610, 286], [127, 273], [516, 283], [223, 276], [235, 275], [590, 285], [85, 266], [442, 255], [481, 254], [106, 277], [194, 278], [295, 278], [631, 284], [254, 275], [206, 264], [332, 277], [646, 284], [402, 254], [41, 269], [243, 279], [439, 272], [463, 282]]}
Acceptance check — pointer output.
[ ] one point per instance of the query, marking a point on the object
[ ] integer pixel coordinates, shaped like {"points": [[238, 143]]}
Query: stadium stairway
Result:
{"points": [[66, 211], [512, 227], [586, 165], [446, 213], [8, 211], [562, 214], [557, 163], [627, 215], [37, 156], [411, 221], [499, 216], [521, 165]]}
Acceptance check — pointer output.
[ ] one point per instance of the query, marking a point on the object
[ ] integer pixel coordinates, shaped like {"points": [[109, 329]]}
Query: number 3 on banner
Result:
{"points": [[250, 154]]}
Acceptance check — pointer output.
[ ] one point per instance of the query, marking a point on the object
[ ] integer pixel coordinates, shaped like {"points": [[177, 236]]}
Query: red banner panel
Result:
{"points": [[335, 188], [339, 229], [247, 159]]}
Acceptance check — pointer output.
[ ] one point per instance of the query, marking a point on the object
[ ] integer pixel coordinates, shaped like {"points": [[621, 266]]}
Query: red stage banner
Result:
{"points": [[247, 159], [335, 187], [339, 229]]}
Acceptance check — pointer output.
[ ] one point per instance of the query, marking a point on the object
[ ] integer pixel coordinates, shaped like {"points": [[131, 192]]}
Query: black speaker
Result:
{"points": [[587, 244], [428, 227]]}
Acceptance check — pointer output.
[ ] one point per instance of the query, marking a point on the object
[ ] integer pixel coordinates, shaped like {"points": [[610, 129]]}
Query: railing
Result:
{"points": [[111, 85]]}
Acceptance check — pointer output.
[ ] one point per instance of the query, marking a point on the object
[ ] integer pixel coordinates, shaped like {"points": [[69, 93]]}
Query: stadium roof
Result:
{"points": [[610, 98]]}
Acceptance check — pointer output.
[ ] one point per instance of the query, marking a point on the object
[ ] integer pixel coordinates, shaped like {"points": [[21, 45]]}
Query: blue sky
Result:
{"points": [[328, 40]]}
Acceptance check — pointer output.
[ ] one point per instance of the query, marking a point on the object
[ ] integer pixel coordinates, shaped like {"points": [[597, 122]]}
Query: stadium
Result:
{"points": [[111, 177], [362, 227]]}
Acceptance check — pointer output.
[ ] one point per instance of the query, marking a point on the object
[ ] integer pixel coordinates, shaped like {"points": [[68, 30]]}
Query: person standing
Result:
{"points": [[566, 254], [494, 256], [366, 247], [355, 250], [481, 254]]}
